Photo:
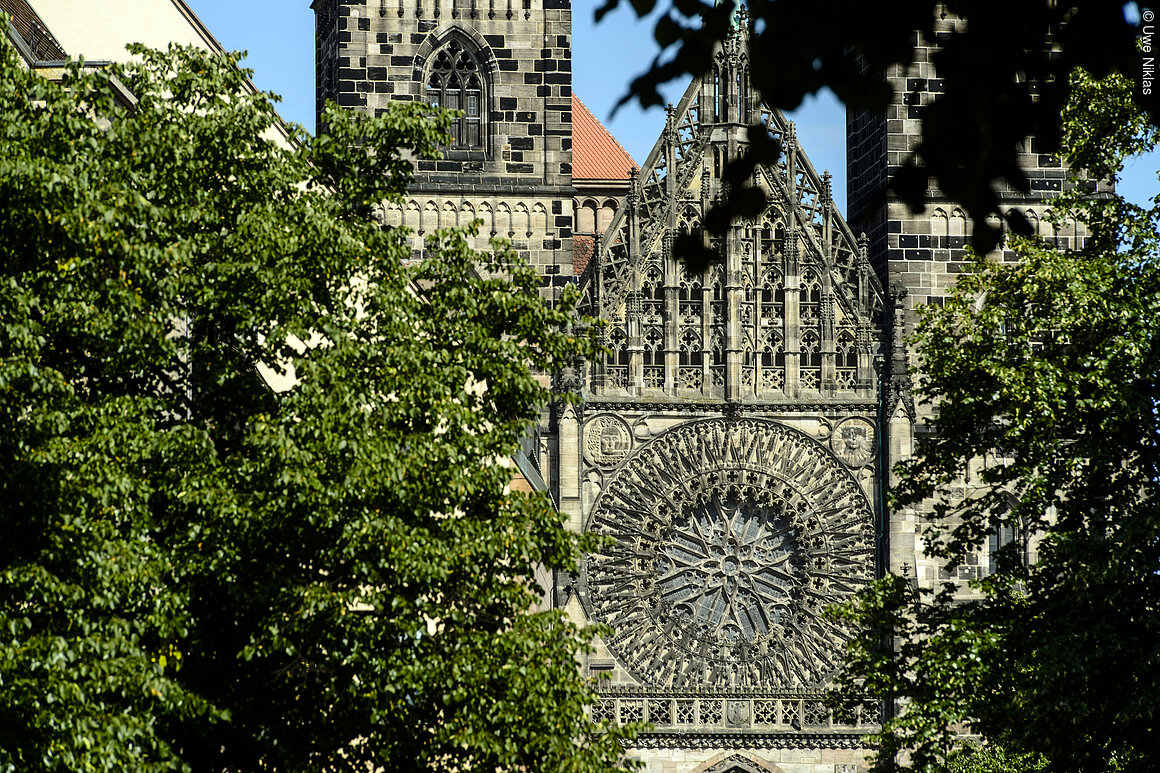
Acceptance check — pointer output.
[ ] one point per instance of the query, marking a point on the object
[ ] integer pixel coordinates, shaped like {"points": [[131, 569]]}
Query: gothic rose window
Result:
{"points": [[455, 82], [724, 541]]}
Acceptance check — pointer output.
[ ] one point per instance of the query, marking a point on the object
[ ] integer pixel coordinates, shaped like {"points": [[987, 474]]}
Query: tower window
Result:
{"points": [[455, 82]]}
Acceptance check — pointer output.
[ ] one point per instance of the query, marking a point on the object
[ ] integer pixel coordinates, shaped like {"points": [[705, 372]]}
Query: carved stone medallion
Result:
{"points": [[607, 441], [737, 713], [728, 539], [853, 441]]}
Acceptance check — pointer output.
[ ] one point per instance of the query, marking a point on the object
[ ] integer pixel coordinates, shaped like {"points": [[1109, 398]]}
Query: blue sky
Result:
{"points": [[279, 35]]}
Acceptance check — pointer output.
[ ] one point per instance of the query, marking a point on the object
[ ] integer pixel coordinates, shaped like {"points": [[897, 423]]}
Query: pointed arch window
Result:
{"points": [[456, 81]]}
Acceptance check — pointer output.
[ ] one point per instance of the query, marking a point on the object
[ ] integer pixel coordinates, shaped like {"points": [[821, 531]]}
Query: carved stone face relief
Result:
{"points": [[607, 441], [728, 539], [853, 441]]}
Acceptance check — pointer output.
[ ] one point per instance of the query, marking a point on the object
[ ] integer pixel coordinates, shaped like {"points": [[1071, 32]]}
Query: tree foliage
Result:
{"points": [[200, 574], [1004, 70], [975, 758], [1044, 374]]}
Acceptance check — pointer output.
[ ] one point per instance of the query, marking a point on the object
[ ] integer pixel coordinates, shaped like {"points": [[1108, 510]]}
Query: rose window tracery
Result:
{"points": [[731, 565], [727, 541]]}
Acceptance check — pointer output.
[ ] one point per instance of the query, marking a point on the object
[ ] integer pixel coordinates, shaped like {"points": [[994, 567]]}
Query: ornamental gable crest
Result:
{"points": [[788, 309]]}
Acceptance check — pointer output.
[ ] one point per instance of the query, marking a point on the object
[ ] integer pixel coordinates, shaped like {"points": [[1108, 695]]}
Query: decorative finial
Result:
{"points": [[827, 187]]}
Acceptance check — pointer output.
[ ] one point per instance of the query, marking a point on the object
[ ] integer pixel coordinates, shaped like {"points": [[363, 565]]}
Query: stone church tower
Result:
{"points": [[918, 256], [507, 65], [728, 444]]}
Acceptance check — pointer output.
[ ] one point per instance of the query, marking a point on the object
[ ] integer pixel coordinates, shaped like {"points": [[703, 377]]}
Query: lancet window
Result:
{"points": [[771, 322], [455, 81], [691, 303], [652, 296], [771, 237], [617, 376], [810, 367], [846, 359], [717, 320], [741, 92]]}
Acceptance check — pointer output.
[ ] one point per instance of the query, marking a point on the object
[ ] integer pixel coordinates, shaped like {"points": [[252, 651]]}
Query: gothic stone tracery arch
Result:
{"points": [[455, 77]]}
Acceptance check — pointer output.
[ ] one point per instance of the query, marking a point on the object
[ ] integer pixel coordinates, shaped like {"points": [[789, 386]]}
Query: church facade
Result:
{"points": [[726, 446], [734, 443]]}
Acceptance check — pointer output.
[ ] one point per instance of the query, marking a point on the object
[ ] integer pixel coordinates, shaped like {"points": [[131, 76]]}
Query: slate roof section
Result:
{"points": [[28, 25], [596, 155]]}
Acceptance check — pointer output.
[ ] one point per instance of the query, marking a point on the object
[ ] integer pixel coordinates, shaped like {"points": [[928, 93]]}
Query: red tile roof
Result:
{"points": [[583, 248], [596, 155]]}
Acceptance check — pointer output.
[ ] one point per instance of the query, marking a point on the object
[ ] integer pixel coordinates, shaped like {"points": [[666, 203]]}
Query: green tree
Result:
{"points": [[1004, 69], [975, 758], [198, 573], [1046, 371]]}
